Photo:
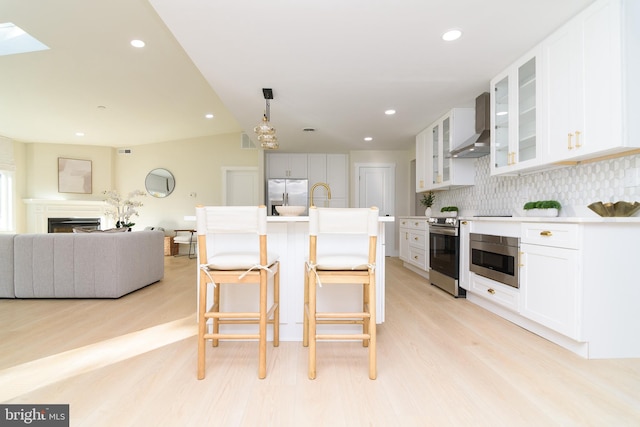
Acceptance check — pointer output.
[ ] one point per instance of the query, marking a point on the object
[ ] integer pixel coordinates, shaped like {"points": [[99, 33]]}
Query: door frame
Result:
{"points": [[228, 170]]}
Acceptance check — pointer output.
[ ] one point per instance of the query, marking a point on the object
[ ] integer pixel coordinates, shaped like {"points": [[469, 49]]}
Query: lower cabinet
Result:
{"points": [[550, 285], [578, 284], [414, 241]]}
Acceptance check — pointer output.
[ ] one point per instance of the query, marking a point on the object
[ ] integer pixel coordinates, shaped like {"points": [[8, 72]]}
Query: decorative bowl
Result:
{"points": [[619, 209], [290, 210]]}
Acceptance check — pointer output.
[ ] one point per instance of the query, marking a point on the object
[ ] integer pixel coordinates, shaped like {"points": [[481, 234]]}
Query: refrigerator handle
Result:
{"points": [[286, 199]]}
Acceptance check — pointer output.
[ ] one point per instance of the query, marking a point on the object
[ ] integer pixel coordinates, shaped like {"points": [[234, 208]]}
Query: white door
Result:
{"points": [[240, 186], [376, 187]]}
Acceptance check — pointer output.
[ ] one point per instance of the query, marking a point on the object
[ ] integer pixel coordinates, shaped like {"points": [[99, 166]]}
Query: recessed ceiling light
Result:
{"points": [[137, 43], [390, 112], [79, 133], [451, 35], [209, 116], [368, 138]]}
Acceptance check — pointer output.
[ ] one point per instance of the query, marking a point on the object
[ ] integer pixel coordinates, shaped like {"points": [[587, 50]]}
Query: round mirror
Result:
{"points": [[160, 183]]}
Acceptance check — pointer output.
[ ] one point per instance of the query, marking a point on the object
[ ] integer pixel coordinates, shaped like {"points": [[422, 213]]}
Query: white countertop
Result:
{"points": [[306, 219], [559, 219]]}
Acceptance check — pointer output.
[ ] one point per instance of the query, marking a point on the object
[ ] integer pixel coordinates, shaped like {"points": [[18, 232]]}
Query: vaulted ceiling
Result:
{"points": [[334, 66]]}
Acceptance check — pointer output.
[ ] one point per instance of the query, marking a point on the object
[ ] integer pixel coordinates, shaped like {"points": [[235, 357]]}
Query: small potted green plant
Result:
{"points": [[449, 211], [427, 201], [542, 208]]}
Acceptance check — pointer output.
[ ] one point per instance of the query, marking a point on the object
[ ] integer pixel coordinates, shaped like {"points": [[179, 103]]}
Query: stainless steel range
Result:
{"points": [[444, 255]]}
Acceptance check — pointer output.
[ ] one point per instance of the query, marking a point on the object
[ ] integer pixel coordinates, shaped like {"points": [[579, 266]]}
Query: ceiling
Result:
{"points": [[334, 66]]}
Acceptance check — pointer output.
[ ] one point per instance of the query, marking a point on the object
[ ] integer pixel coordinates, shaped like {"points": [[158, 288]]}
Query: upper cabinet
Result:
{"points": [[589, 91], [331, 169], [574, 97], [286, 165], [421, 154], [515, 116], [435, 168]]}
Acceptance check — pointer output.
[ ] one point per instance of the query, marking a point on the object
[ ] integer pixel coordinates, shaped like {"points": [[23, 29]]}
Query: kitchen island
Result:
{"points": [[288, 236]]}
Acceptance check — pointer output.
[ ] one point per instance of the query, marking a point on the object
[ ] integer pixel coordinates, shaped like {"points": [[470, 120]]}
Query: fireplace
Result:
{"points": [[66, 225], [39, 211]]}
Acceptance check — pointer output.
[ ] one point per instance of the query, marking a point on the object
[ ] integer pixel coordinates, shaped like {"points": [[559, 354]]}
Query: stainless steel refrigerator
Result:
{"points": [[292, 192]]}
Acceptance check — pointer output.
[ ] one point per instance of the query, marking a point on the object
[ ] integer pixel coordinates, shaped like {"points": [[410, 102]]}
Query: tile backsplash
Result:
{"points": [[574, 187]]}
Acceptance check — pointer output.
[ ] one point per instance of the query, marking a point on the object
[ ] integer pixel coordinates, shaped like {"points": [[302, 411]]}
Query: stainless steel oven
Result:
{"points": [[495, 257], [444, 255]]}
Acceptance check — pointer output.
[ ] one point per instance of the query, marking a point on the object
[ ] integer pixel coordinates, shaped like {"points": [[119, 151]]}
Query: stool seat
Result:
{"points": [[238, 260]]}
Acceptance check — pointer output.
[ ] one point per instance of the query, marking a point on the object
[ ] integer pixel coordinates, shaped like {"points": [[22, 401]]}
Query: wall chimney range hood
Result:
{"points": [[479, 144]]}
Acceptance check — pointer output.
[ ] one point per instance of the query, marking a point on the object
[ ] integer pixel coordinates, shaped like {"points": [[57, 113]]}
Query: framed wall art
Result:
{"points": [[74, 176]]}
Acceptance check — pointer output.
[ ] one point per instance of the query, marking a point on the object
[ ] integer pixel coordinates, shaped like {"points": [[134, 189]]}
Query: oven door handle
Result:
{"points": [[447, 231]]}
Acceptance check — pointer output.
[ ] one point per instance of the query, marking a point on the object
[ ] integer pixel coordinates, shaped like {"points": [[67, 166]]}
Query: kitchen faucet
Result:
{"points": [[319, 184]]}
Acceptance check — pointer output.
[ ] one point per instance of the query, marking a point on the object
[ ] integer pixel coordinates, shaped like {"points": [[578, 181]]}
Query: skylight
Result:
{"points": [[14, 39]]}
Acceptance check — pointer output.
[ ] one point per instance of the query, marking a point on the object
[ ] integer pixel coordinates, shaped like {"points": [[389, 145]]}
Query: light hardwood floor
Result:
{"points": [[441, 362]]}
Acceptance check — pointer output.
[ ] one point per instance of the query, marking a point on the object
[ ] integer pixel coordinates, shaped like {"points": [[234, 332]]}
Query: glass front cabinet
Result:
{"points": [[442, 171], [515, 117]]}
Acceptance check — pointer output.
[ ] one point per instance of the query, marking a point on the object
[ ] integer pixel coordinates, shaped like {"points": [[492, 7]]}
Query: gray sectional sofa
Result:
{"points": [[79, 265]]}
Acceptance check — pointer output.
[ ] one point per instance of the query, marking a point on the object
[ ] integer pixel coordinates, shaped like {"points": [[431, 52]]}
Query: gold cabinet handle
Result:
{"points": [[415, 257], [569, 144], [491, 291], [464, 222], [404, 222], [520, 264], [421, 183], [416, 224], [406, 235], [415, 238], [546, 233], [578, 145]]}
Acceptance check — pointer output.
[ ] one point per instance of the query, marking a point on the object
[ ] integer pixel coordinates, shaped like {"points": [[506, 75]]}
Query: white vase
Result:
{"points": [[427, 212]]}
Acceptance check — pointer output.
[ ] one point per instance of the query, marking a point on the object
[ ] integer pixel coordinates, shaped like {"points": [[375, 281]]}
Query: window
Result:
{"points": [[7, 186], [6, 201]]}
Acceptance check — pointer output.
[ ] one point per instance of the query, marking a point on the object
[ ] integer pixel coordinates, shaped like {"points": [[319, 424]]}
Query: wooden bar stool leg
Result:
{"points": [[365, 303], [276, 313], [305, 308], [216, 305], [262, 339], [372, 330], [202, 327], [312, 326]]}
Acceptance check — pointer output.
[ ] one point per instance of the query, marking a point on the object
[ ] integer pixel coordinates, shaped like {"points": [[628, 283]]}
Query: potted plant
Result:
{"points": [[121, 209], [427, 201], [449, 211], [542, 208]]}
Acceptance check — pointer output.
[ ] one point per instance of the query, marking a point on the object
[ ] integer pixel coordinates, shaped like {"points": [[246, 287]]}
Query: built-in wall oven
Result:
{"points": [[495, 257], [444, 255]]}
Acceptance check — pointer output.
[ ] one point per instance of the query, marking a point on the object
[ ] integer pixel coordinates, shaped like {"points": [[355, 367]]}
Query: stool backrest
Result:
{"points": [[231, 219], [343, 232], [343, 221]]}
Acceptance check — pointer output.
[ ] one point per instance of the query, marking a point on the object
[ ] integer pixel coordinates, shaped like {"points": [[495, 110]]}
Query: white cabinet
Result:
{"points": [[331, 169], [286, 165], [421, 155], [585, 87], [414, 242], [515, 116], [438, 169], [550, 276]]}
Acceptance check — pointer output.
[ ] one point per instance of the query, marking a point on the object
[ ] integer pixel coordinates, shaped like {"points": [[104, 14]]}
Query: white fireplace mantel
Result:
{"points": [[40, 210]]}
